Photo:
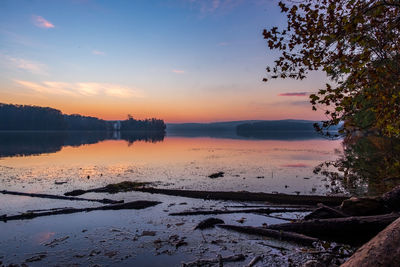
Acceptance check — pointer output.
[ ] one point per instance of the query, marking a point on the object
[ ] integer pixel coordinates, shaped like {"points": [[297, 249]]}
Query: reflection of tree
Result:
{"points": [[36, 143], [368, 164]]}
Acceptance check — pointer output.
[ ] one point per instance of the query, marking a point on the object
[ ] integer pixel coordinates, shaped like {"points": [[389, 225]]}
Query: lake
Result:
{"points": [[55, 163]]}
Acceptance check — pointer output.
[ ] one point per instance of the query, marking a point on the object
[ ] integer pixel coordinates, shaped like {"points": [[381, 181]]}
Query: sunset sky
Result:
{"points": [[177, 60]]}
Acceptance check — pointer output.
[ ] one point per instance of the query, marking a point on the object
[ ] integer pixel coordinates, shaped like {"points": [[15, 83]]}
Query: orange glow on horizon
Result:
{"points": [[176, 109]]}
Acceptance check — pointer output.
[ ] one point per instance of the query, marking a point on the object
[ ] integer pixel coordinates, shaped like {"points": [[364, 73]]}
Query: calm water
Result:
{"points": [[33, 163]]}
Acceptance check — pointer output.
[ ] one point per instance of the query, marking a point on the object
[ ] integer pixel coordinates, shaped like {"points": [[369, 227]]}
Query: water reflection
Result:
{"points": [[368, 165], [35, 143]]}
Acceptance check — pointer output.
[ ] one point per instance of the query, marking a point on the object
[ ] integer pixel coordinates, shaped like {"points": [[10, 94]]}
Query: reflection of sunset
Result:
{"points": [[43, 237], [172, 149]]}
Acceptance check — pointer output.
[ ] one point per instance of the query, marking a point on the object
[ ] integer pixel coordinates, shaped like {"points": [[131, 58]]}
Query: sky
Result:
{"points": [[177, 60]]}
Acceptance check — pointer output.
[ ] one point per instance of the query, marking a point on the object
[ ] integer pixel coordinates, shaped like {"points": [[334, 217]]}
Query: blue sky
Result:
{"points": [[182, 60]]}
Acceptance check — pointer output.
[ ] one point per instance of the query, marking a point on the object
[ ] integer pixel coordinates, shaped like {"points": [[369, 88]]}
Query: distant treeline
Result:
{"points": [[282, 125], [281, 129], [32, 118]]}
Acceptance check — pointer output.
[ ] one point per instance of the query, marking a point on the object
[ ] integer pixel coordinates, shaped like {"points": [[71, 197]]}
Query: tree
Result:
{"points": [[357, 44]]}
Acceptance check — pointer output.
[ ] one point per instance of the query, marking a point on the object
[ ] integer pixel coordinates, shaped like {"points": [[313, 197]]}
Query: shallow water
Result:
{"points": [[175, 162]]}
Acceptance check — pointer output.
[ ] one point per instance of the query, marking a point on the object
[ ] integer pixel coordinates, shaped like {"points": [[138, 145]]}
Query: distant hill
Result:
{"points": [[212, 126], [247, 129]]}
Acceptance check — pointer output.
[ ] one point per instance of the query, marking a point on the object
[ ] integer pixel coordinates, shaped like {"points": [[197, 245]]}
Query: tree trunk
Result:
{"points": [[382, 250]]}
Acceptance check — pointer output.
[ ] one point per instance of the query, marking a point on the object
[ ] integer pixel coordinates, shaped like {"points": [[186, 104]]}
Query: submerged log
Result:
{"points": [[125, 186], [141, 204], [382, 250], [219, 260], [351, 230], [259, 211], [248, 196], [104, 200], [281, 235]]}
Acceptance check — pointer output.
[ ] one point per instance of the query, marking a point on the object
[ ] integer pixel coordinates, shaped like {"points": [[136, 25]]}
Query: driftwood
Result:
{"points": [[205, 262], [311, 207], [351, 230], [216, 195], [213, 212], [125, 186], [254, 261], [248, 196], [325, 212], [281, 235], [104, 200], [129, 205], [362, 206], [382, 250]]}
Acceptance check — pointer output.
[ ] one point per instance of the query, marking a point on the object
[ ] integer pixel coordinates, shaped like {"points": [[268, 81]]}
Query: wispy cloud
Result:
{"points": [[211, 6], [23, 64], [98, 52], [178, 71], [294, 94], [42, 22], [82, 89]]}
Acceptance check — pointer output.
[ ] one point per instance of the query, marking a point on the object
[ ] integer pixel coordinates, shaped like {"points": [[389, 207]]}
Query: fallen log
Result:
{"points": [[254, 261], [213, 212], [382, 250], [267, 205], [350, 230], [363, 206], [216, 195], [248, 196], [281, 235], [325, 212], [206, 262], [125, 186], [142, 204], [104, 200]]}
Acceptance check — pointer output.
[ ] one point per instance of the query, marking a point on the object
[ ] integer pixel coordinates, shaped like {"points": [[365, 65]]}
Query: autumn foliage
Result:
{"points": [[357, 44]]}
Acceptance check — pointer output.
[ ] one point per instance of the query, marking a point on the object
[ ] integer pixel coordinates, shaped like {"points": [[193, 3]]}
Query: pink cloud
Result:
{"points": [[223, 44], [42, 22], [98, 52], [296, 165], [294, 94], [178, 71]]}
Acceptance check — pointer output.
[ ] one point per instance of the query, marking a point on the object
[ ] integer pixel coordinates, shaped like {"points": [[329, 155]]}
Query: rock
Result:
{"points": [[209, 223], [56, 241], [313, 263], [94, 252], [391, 199], [362, 206], [36, 258], [325, 212], [148, 233], [111, 254], [216, 175]]}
